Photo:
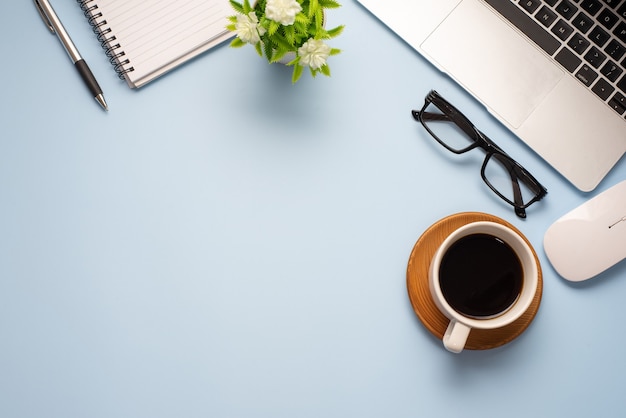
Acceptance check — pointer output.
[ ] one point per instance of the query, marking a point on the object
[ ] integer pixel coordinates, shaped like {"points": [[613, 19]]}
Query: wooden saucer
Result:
{"points": [[419, 292]]}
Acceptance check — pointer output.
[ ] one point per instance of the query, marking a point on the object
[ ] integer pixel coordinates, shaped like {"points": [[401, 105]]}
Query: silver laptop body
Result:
{"points": [[580, 130]]}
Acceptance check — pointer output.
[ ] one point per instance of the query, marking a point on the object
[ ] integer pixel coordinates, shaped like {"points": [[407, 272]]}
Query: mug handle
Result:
{"points": [[456, 336]]}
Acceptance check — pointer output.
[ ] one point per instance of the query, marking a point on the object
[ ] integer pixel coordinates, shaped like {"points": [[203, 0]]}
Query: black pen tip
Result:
{"points": [[103, 103]]}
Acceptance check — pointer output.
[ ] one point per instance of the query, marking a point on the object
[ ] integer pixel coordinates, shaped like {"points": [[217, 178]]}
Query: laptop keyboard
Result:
{"points": [[586, 37]]}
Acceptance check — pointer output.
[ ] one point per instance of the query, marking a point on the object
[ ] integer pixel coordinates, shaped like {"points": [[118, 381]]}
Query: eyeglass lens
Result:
{"points": [[445, 130], [500, 175]]}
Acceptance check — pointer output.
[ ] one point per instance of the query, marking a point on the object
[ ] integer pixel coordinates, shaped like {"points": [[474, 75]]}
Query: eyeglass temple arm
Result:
{"points": [[517, 191], [517, 196], [466, 127]]}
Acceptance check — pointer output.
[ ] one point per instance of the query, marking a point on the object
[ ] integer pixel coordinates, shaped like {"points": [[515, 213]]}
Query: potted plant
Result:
{"points": [[288, 31]]}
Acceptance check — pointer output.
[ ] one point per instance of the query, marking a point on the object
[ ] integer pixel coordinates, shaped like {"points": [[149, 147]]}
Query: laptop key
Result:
{"points": [[611, 71], [562, 30], [566, 9], [622, 84], [599, 36], [578, 43], [530, 5], [603, 89], [611, 3], [568, 60], [546, 16], [586, 75], [620, 31], [615, 50], [591, 6], [583, 22], [618, 103], [607, 18], [595, 57]]}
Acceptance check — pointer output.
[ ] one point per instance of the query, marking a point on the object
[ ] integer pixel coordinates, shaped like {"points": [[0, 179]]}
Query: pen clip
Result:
{"points": [[44, 16]]}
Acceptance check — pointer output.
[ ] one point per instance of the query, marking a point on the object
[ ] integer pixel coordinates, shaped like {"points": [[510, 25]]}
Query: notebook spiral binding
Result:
{"points": [[105, 37]]}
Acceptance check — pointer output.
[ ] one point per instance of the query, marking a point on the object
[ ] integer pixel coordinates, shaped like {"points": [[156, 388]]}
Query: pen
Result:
{"points": [[54, 24]]}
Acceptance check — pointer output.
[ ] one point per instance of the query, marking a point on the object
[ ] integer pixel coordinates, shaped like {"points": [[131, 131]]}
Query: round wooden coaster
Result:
{"points": [[419, 292]]}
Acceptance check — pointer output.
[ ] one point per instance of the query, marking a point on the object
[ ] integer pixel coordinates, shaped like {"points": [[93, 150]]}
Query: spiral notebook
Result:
{"points": [[144, 39]]}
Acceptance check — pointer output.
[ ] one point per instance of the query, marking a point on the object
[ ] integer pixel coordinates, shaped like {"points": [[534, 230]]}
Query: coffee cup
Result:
{"points": [[484, 275]]}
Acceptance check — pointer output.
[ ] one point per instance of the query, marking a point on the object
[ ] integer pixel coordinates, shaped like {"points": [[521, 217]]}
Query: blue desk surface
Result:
{"points": [[222, 243]]}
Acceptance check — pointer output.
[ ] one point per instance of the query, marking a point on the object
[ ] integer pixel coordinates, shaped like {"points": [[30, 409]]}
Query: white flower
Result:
{"points": [[314, 53], [282, 11], [248, 29]]}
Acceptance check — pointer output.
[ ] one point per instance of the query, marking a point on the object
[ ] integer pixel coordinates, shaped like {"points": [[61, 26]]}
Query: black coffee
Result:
{"points": [[480, 275]]}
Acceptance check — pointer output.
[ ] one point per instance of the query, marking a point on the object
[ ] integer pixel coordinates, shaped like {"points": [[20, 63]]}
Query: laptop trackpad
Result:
{"points": [[483, 53]]}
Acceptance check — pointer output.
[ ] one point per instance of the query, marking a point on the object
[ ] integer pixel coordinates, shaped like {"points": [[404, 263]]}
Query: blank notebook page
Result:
{"points": [[158, 35]]}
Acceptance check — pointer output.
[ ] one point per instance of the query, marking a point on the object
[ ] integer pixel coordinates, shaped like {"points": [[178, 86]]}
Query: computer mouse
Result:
{"points": [[591, 238]]}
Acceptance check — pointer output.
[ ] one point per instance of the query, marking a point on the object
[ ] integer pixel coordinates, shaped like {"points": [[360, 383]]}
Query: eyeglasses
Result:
{"points": [[507, 178]]}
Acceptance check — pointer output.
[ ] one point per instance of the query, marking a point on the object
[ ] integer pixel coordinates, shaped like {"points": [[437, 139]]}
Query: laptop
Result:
{"points": [[552, 71]]}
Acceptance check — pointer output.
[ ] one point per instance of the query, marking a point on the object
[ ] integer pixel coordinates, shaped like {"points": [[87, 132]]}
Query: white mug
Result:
{"points": [[460, 325]]}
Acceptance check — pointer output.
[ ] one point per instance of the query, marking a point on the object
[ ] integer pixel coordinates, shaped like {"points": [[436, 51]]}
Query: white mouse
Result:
{"points": [[591, 238]]}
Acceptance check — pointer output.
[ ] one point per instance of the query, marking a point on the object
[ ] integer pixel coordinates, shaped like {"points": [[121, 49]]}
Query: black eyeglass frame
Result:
{"points": [[480, 140]]}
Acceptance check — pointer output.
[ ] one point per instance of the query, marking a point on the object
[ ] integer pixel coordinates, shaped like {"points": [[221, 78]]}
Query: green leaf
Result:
{"points": [[282, 42], [237, 6], [325, 70], [290, 34], [300, 29], [237, 43], [297, 72], [246, 7], [334, 51], [302, 19], [335, 31], [278, 54], [273, 27], [314, 7], [257, 47], [329, 4], [268, 50], [319, 19]]}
